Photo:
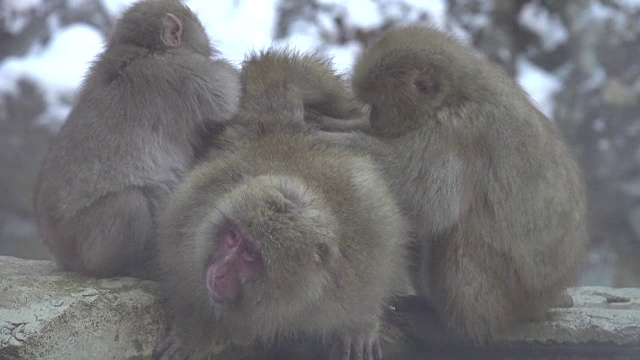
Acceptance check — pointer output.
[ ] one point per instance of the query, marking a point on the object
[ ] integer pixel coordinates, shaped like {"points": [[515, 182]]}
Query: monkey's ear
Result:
{"points": [[427, 82], [171, 34]]}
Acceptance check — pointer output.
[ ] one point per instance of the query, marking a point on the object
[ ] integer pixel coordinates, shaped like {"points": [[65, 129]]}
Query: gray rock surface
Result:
{"points": [[47, 314], [599, 315]]}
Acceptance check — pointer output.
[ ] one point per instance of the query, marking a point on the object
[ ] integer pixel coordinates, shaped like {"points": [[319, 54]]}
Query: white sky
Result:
{"points": [[235, 27]]}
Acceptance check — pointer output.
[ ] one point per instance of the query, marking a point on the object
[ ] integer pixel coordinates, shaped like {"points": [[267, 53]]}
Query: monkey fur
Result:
{"points": [[145, 110], [280, 233]]}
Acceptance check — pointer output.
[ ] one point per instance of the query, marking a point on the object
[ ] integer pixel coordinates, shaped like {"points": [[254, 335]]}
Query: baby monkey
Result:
{"points": [[146, 109], [280, 233], [495, 195]]}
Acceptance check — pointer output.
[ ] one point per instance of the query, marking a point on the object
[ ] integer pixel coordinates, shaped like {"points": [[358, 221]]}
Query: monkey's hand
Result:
{"points": [[170, 348], [361, 347]]}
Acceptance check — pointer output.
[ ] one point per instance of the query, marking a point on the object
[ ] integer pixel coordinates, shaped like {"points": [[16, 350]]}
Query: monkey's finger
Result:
{"points": [[368, 351], [173, 353], [160, 349], [346, 350], [377, 350], [358, 354], [168, 349]]}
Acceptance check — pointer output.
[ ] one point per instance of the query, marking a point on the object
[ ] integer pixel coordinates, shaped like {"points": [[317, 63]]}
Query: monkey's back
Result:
{"points": [[121, 132], [482, 126], [489, 178], [134, 126]]}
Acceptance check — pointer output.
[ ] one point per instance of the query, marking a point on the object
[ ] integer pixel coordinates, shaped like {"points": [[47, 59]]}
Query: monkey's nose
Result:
{"points": [[222, 285]]}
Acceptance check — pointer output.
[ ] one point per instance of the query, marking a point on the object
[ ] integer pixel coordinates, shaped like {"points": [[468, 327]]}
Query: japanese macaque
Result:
{"points": [[149, 104], [494, 192], [280, 233]]}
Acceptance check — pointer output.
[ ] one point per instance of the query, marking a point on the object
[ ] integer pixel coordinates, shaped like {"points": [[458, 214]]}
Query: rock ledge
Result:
{"points": [[49, 314]]}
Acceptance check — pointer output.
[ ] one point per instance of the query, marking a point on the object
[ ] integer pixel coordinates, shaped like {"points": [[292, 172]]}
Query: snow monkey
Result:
{"points": [[280, 233], [493, 191], [147, 107]]}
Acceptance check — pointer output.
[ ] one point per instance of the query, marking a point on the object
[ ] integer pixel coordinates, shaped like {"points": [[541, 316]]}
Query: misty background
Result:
{"points": [[579, 61]]}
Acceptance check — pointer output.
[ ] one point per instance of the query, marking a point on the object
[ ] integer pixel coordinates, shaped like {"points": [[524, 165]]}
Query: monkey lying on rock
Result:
{"points": [[280, 233]]}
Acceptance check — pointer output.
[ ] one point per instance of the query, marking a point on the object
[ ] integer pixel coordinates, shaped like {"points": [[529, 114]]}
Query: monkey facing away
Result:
{"points": [[494, 192], [145, 110], [279, 233]]}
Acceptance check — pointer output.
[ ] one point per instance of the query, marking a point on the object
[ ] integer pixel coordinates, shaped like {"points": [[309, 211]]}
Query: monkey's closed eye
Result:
{"points": [[250, 255], [427, 82], [231, 238]]}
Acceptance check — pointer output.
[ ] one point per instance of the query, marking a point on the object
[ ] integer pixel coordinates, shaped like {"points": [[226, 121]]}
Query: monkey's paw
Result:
{"points": [[361, 348], [170, 348]]}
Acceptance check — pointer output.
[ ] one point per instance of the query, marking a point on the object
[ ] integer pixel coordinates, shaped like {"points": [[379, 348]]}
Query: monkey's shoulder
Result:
{"points": [[127, 65]]}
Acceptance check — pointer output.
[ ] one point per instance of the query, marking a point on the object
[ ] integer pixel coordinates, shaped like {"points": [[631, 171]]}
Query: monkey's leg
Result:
{"points": [[113, 234], [471, 284]]}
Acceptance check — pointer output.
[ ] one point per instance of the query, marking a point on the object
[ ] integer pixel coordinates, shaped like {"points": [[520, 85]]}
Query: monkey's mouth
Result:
{"points": [[217, 298], [223, 289]]}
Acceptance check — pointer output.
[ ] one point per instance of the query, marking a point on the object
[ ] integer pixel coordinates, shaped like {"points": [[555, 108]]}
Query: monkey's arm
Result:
{"points": [[442, 202]]}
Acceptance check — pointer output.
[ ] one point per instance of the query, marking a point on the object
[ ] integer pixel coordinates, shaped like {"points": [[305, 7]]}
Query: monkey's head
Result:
{"points": [[272, 244], [408, 77], [295, 83], [159, 25]]}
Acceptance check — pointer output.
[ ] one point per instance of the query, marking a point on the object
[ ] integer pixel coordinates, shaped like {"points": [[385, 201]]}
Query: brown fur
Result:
{"points": [[292, 190], [495, 194], [143, 113]]}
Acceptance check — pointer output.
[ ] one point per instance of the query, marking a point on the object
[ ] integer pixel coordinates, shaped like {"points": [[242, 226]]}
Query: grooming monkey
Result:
{"points": [[280, 233], [495, 195], [147, 107]]}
